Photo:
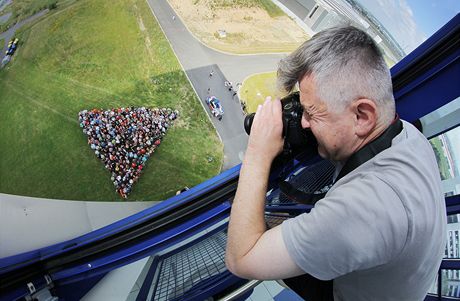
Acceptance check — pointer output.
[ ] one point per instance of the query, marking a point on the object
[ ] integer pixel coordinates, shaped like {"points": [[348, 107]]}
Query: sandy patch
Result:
{"points": [[245, 27]]}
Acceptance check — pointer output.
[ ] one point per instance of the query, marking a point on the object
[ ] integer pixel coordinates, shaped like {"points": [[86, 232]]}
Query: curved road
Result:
{"points": [[198, 60], [9, 34]]}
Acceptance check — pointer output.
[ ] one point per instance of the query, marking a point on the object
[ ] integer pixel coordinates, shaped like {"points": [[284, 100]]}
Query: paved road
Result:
{"points": [[5, 17], [198, 60], [7, 35], [4, 4]]}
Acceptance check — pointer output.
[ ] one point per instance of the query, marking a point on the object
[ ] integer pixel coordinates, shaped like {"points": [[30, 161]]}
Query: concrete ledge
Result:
{"points": [[28, 223]]}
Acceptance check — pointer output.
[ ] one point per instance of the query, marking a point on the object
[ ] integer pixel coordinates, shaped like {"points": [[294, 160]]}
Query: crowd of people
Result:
{"points": [[124, 139]]}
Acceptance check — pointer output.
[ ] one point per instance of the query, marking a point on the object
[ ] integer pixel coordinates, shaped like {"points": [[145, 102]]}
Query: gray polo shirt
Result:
{"points": [[380, 232]]}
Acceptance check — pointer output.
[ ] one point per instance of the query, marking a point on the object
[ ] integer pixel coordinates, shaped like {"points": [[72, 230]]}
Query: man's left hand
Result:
{"points": [[265, 140]]}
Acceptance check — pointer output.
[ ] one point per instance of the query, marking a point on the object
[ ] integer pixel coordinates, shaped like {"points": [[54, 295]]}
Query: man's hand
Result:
{"points": [[266, 141], [253, 252]]}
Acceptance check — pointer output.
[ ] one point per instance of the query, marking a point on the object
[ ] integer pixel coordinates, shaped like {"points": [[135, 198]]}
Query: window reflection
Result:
{"points": [[438, 121], [447, 150], [453, 244], [410, 22], [450, 285], [397, 26], [446, 146]]}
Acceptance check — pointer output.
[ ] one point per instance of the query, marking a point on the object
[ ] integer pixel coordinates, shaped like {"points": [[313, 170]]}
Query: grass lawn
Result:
{"points": [[257, 87], [271, 8], [96, 54]]}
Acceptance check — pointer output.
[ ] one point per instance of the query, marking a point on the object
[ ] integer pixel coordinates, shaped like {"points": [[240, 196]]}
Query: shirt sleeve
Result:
{"points": [[358, 225]]}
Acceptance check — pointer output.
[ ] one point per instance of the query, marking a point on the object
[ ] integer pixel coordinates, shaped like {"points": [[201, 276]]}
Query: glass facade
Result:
{"points": [[450, 285], [453, 242]]}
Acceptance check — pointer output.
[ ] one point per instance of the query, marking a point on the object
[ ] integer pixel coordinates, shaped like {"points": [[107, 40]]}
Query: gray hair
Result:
{"points": [[346, 65]]}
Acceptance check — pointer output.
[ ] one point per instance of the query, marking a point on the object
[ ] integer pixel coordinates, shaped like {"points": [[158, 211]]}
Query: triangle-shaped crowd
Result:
{"points": [[125, 138]]}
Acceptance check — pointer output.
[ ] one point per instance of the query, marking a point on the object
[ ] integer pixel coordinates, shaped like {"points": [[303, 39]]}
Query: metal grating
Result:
{"points": [[182, 271], [312, 179], [273, 220]]}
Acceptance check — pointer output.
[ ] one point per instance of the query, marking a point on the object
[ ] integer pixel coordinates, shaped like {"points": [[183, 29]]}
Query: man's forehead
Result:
{"points": [[308, 94], [307, 91], [307, 84]]}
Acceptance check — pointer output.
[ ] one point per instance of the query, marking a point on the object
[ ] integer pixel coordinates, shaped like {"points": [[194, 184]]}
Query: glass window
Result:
{"points": [[397, 26], [446, 145], [447, 150], [453, 243], [446, 117], [450, 284], [404, 24]]}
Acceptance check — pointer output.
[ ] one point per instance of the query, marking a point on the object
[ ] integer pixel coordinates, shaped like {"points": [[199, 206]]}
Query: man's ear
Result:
{"points": [[365, 111]]}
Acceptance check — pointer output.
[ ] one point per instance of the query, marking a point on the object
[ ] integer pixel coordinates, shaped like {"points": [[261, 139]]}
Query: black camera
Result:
{"points": [[295, 137]]}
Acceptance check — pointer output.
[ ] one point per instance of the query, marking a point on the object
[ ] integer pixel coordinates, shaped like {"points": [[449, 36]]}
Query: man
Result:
{"points": [[379, 233]]}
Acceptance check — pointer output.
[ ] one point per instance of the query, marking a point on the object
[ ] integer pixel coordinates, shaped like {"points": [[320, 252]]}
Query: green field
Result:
{"points": [[96, 54], [272, 9], [256, 88]]}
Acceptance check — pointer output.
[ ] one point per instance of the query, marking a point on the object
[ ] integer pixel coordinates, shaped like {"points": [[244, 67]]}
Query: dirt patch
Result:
{"points": [[147, 42], [141, 24], [248, 30]]}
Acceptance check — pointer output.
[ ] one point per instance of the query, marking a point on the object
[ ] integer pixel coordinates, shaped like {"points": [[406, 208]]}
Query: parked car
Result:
{"points": [[12, 45], [216, 108]]}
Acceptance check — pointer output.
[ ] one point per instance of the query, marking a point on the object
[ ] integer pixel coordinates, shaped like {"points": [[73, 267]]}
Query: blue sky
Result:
{"points": [[412, 21]]}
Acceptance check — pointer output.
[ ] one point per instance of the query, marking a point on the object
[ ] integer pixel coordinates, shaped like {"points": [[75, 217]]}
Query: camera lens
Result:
{"points": [[296, 138]]}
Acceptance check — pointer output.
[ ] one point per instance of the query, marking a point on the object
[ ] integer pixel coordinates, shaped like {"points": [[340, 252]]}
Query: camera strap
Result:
{"points": [[371, 149], [363, 155]]}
